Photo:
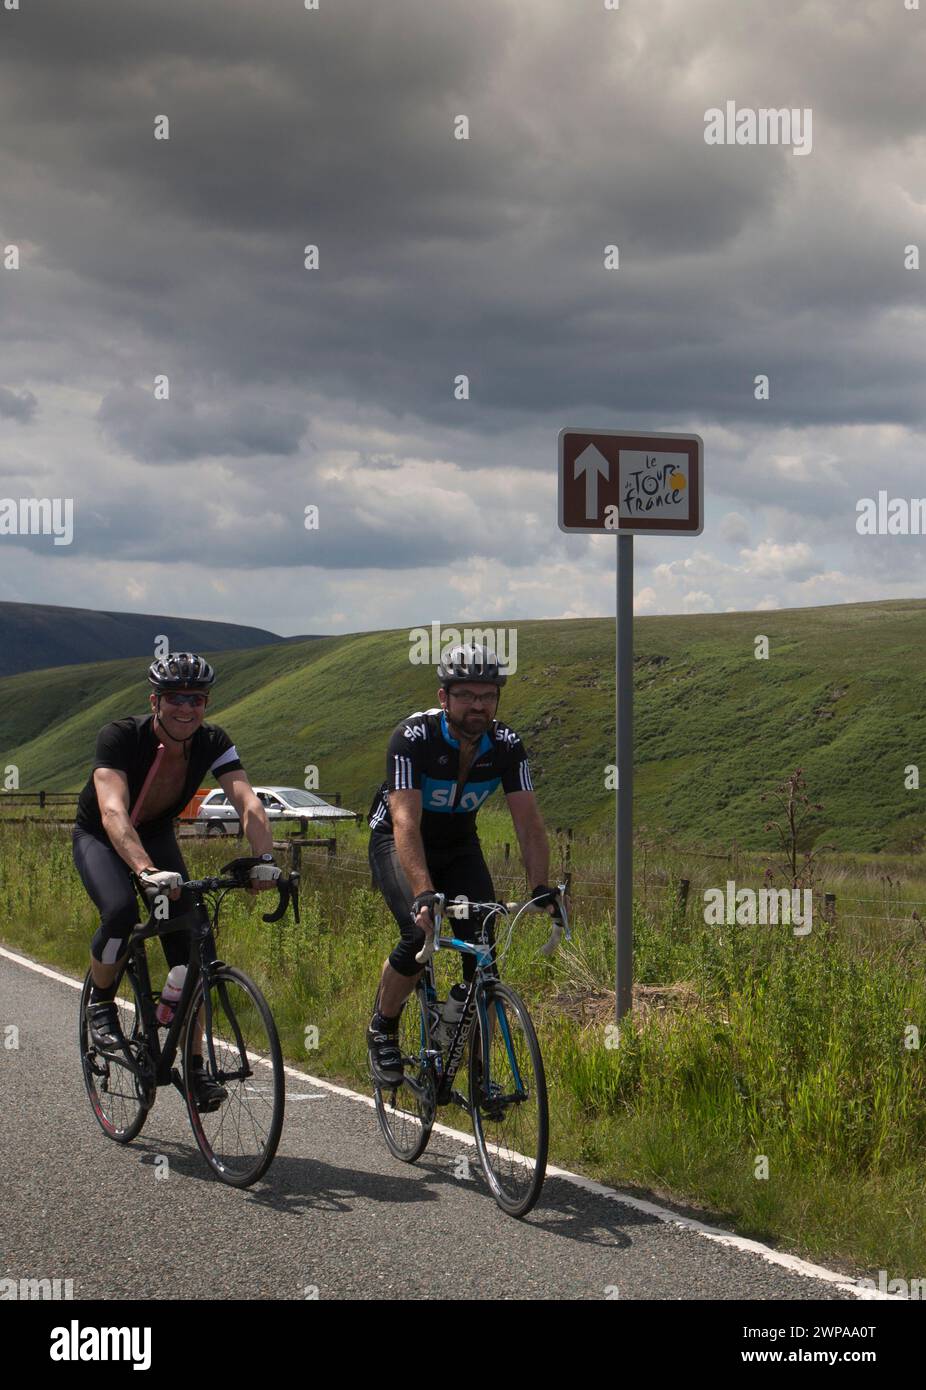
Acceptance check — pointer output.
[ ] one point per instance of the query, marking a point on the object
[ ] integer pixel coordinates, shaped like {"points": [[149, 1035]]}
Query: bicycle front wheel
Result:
{"points": [[112, 1087], [406, 1115], [508, 1099], [239, 1131]]}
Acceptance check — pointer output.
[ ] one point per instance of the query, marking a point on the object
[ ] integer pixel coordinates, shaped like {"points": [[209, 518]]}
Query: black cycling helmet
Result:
{"points": [[473, 663], [181, 671]]}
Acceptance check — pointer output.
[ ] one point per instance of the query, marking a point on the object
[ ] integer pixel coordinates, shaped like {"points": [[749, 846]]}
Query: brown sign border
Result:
{"points": [[691, 445]]}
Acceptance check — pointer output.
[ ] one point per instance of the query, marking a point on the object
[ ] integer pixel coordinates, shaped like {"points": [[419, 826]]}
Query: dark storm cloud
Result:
{"points": [[17, 405], [157, 431], [440, 257], [484, 257]]}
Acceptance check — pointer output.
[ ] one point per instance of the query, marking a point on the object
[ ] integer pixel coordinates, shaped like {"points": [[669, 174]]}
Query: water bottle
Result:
{"points": [[170, 994], [451, 1013]]}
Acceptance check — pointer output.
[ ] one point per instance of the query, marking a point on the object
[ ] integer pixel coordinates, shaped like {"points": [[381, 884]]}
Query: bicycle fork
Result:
{"points": [[245, 1069]]}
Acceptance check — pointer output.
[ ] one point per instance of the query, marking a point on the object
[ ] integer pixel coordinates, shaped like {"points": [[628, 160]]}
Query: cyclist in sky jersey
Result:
{"points": [[145, 771], [441, 765]]}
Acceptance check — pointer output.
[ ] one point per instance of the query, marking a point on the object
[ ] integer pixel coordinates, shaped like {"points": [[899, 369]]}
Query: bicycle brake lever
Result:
{"points": [[432, 942], [560, 925], [285, 891], [554, 939]]}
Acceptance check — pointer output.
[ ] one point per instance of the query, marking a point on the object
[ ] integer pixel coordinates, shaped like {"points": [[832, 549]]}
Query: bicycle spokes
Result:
{"points": [[508, 1101], [235, 1101], [406, 1111], [119, 1095]]}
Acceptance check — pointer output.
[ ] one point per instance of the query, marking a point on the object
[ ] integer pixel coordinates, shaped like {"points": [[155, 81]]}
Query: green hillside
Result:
{"points": [[842, 695]]}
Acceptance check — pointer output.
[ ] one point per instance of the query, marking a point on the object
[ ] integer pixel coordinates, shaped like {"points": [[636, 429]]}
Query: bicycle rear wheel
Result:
{"points": [[239, 1137], [406, 1118], [111, 1085], [509, 1100]]}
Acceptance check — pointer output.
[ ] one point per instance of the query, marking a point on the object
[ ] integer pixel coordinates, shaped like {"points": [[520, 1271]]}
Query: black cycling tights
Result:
{"points": [[109, 882], [454, 870]]}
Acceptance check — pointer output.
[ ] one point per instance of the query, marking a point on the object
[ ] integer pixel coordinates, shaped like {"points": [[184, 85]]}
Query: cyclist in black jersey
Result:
{"points": [[441, 765], [144, 773]]}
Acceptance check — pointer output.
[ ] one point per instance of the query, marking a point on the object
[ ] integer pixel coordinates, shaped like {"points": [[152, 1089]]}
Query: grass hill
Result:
{"points": [[35, 635], [841, 695]]}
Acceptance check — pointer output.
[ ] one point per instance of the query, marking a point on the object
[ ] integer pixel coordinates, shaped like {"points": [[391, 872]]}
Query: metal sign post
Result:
{"points": [[623, 842], [628, 484]]}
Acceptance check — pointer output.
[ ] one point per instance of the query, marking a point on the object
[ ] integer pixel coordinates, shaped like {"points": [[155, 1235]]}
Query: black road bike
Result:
{"points": [[506, 1096], [221, 1009]]}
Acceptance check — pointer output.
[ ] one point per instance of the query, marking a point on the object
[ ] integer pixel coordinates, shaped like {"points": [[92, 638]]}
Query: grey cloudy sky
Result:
{"points": [[438, 257]]}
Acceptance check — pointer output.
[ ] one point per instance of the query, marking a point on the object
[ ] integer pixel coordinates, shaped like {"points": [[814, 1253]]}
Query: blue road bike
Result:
{"points": [[506, 1093]]}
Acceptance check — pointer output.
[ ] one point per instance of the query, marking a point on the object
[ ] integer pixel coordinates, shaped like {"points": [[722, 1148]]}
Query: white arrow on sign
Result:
{"points": [[591, 462]]}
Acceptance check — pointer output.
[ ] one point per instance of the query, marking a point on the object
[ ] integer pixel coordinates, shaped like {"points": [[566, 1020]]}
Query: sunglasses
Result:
{"points": [[466, 697], [174, 698]]}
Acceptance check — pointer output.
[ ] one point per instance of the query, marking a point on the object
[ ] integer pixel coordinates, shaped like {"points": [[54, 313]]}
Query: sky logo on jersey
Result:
{"points": [[413, 731], [438, 796]]}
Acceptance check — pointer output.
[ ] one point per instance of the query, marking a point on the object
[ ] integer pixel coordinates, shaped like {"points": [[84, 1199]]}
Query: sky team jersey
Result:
{"points": [[424, 756], [130, 745]]}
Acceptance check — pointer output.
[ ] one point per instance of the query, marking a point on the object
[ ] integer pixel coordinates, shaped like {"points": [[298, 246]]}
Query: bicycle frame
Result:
{"points": [[446, 1067], [202, 963]]}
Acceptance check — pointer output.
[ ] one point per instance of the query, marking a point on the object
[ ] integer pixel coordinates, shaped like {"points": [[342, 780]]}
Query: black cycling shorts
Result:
{"points": [[108, 880], [456, 869]]}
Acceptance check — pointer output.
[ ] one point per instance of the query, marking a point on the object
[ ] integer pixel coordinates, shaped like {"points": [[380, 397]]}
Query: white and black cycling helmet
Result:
{"points": [[181, 671], [471, 663]]}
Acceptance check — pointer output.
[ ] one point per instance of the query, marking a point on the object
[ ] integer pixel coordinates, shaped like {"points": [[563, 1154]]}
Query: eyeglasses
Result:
{"points": [[466, 697], [180, 698]]}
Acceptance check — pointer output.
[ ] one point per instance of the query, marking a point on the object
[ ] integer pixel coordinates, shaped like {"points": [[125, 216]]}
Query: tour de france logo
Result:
{"points": [[653, 484]]}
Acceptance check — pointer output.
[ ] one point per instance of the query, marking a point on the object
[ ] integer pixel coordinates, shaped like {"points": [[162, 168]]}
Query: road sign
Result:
{"points": [[631, 484], [627, 484]]}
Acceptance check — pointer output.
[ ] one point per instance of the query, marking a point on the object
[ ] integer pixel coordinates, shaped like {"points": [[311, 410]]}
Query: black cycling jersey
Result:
{"points": [[424, 755], [129, 745]]}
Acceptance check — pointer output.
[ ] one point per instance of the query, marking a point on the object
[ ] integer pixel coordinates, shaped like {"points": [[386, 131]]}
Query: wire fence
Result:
{"points": [[591, 887]]}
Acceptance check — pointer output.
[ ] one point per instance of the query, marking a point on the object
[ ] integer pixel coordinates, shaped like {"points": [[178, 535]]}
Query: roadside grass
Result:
{"points": [[751, 1050]]}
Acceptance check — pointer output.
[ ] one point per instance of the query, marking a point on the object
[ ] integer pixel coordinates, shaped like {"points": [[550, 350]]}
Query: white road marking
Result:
{"points": [[669, 1218]]}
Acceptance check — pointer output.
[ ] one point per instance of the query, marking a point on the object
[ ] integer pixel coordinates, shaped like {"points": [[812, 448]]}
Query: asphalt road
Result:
{"points": [[336, 1217]]}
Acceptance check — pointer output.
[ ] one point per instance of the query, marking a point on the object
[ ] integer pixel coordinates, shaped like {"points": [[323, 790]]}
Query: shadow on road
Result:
{"points": [[297, 1185], [300, 1185]]}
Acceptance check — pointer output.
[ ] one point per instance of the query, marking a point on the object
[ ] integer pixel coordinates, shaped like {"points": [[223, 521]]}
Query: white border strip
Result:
{"points": [[670, 1218]]}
